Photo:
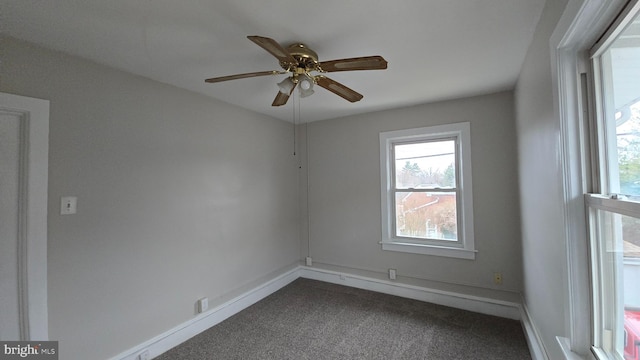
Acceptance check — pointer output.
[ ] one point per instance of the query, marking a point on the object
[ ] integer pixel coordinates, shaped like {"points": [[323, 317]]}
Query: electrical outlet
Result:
{"points": [[144, 355], [497, 278], [392, 274], [203, 304], [308, 261]]}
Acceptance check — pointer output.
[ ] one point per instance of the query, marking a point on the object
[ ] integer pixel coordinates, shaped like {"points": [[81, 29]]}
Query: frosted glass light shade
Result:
{"points": [[306, 85], [286, 86]]}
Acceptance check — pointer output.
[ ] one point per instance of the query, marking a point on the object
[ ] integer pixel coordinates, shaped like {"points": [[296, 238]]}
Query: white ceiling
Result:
{"points": [[436, 49]]}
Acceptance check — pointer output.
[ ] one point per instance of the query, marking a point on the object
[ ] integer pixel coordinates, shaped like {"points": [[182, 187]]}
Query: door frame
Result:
{"points": [[32, 247]]}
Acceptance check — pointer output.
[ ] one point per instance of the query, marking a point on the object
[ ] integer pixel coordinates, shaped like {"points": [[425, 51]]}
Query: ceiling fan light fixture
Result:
{"points": [[305, 93], [306, 85], [286, 86]]}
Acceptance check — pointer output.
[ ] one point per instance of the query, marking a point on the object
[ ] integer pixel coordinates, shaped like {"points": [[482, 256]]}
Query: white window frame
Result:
{"points": [[606, 292], [581, 24], [464, 246]]}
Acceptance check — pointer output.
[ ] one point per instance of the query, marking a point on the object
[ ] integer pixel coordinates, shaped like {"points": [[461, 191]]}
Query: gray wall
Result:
{"points": [[344, 193], [179, 197], [541, 192]]}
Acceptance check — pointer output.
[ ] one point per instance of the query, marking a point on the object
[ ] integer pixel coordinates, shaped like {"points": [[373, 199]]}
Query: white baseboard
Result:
{"points": [[505, 309], [204, 321], [536, 347], [188, 329]]}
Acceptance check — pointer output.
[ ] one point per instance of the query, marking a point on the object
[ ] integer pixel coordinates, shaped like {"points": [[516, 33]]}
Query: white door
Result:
{"points": [[24, 131]]}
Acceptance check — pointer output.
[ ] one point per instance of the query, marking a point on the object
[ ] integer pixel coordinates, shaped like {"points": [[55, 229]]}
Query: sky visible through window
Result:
{"points": [[431, 163]]}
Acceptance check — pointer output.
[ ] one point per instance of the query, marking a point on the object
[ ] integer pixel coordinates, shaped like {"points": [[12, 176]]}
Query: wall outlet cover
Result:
{"points": [[497, 278], [392, 274], [203, 304]]}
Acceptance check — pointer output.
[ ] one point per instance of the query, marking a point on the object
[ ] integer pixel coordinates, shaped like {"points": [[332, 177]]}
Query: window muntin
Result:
{"points": [[426, 191]]}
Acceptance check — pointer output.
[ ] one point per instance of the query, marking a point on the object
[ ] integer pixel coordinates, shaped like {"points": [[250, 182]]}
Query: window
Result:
{"points": [[614, 207], [426, 191]]}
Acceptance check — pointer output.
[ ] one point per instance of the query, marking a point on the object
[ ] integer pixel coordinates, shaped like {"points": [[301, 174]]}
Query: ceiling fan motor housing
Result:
{"points": [[307, 59]]}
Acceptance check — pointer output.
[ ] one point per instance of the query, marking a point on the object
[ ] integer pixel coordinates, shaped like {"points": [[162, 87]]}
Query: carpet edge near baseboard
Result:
{"points": [[214, 316]]}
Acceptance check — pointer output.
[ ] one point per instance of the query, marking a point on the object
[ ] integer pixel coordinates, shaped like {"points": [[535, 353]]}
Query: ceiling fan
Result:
{"points": [[300, 61]]}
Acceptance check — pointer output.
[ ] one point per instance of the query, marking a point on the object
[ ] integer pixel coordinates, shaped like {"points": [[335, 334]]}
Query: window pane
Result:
{"points": [[631, 285], [628, 144], [618, 240], [426, 215], [425, 165], [621, 69]]}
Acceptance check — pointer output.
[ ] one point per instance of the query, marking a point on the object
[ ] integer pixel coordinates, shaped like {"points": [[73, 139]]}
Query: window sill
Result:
{"points": [[424, 249], [565, 346]]}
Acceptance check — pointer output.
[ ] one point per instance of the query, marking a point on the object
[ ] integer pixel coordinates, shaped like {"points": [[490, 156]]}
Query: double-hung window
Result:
{"points": [[614, 207], [426, 191]]}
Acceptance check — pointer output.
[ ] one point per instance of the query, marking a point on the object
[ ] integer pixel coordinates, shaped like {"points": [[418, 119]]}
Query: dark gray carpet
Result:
{"points": [[316, 320]]}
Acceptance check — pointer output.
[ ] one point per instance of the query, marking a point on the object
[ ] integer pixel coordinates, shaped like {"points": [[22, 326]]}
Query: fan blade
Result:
{"points": [[242, 76], [281, 98], [273, 48], [359, 63], [338, 89]]}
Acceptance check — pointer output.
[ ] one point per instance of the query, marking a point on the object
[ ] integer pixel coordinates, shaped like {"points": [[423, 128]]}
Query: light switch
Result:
{"points": [[68, 205]]}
